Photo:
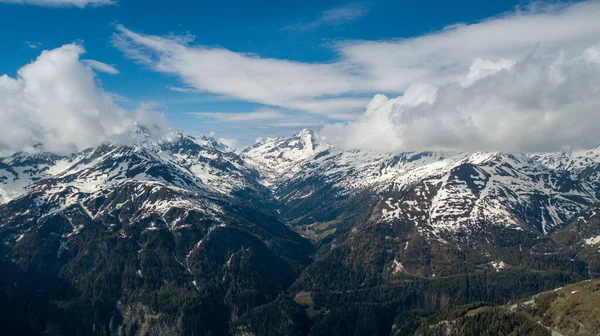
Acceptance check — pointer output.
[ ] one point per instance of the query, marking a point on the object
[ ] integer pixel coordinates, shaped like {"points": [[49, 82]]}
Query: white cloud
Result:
{"points": [[33, 45], [263, 114], [338, 89], [229, 142], [56, 101], [484, 68], [296, 124], [260, 118], [181, 89], [283, 83], [102, 67], [444, 56], [541, 103], [333, 17], [244, 127], [62, 3]]}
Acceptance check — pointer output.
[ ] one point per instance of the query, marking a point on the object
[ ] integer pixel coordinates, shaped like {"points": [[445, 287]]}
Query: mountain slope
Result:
{"points": [[581, 237], [431, 212], [170, 237], [402, 231], [181, 235], [539, 190], [568, 310]]}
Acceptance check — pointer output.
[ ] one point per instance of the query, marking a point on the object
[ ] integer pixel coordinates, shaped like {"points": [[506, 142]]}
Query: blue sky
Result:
{"points": [[268, 28], [315, 62]]}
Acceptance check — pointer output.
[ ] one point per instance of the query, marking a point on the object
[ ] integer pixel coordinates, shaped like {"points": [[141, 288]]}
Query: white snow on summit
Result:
{"points": [[280, 158]]}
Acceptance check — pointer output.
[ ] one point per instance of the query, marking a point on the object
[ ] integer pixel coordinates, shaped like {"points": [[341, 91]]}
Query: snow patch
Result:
{"points": [[498, 265], [592, 241], [398, 267]]}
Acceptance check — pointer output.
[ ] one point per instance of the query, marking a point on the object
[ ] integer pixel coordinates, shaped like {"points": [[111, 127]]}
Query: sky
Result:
{"points": [[383, 75]]}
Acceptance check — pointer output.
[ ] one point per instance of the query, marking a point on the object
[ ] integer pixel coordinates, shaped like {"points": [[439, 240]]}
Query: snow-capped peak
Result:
{"points": [[281, 158]]}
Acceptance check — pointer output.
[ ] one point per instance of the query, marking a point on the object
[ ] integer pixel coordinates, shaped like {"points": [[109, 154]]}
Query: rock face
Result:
{"points": [[185, 236]]}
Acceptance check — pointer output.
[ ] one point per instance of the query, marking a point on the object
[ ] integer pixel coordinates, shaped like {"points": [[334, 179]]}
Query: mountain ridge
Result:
{"points": [[236, 233]]}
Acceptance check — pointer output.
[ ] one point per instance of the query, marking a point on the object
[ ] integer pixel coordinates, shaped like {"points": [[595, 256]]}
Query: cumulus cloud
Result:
{"points": [[540, 103], [483, 68], [229, 142], [57, 101], [62, 3], [340, 89]]}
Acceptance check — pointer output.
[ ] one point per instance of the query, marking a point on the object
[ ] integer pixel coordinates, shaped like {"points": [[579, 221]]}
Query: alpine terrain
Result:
{"points": [[294, 236]]}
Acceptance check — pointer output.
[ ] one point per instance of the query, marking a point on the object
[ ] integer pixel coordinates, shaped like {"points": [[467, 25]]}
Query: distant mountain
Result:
{"points": [[182, 235], [452, 190], [474, 226], [280, 158]]}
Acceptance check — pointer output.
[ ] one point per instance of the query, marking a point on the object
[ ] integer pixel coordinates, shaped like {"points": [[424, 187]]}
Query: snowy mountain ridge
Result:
{"points": [[443, 191], [437, 191], [192, 215], [279, 159], [182, 161]]}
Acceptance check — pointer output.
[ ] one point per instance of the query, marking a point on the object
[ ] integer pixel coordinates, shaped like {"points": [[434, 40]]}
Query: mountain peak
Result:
{"points": [[305, 133], [279, 158]]}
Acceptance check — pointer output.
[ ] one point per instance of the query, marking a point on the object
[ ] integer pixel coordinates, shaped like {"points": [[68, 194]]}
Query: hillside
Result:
{"points": [[569, 310]]}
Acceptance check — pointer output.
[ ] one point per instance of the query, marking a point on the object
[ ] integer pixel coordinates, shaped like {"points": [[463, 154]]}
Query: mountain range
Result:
{"points": [[290, 236]]}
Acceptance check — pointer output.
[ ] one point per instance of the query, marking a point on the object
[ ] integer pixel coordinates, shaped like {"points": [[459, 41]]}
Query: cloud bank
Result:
{"points": [[62, 3], [57, 101], [340, 89], [273, 82], [541, 103]]}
